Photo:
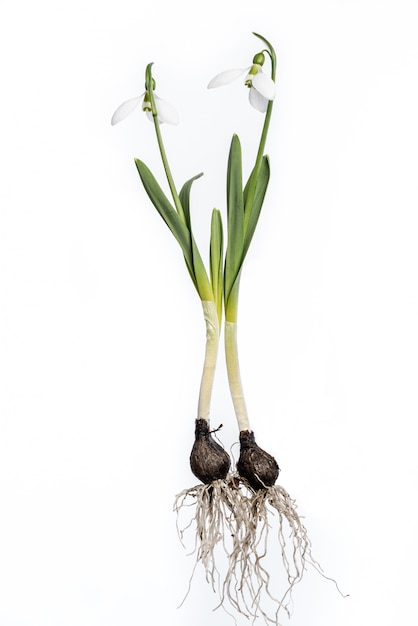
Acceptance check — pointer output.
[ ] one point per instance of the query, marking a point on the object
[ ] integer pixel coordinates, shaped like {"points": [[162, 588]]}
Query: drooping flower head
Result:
{"points": [[262, 87], [165, 112]]}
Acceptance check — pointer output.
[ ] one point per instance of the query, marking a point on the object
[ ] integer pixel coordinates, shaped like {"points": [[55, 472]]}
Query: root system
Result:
{"points": [[233, 530], [215, 508]]}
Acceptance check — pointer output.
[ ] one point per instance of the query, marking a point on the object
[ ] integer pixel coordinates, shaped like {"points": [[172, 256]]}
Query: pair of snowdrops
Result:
{"points": [[261, 89]]}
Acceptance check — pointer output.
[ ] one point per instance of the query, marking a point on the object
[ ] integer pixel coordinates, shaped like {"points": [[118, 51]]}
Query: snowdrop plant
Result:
{"points": [[232, 508], [244, 204], [209, 461]]}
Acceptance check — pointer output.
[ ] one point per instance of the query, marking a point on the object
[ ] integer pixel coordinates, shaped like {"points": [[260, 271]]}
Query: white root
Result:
{"points": [[231, 517], [215, 509]]}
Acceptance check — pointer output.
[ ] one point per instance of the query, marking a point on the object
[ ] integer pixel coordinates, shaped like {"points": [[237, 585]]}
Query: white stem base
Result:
{"points": [[211, 354], [234, 377]]}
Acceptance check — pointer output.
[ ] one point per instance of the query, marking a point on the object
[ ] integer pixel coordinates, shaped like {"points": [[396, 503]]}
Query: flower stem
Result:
{"points": [[194, 261], [170, 180], [264, 132]]}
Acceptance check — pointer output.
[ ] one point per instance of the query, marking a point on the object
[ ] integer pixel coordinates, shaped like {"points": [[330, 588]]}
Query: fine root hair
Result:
{"points": [[248, 584], [216, 507], [252, 544]]}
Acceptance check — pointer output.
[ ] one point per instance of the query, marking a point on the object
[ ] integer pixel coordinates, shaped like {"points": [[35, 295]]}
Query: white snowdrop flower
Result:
{"points": [[165, 111], [262, 87]]}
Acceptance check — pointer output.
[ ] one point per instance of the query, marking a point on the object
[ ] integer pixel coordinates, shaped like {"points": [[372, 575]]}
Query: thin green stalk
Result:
{"points": [[193, 258], [170, 180], [264, 133]]}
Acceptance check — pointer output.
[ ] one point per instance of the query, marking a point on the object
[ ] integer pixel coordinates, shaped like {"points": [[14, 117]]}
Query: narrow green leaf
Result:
{"points": [[247, 188], [203, 285], [231, 305], [168, 214], [184, 196], [252, 213], [216, 259], [235, 211]]}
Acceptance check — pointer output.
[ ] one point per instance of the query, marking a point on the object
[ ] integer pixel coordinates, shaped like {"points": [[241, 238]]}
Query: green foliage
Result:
{"points": [[253, 209], [184, 196], [216, 260], [243, 211], [235, 213], [244, 207], [180, 226], [167, 212]]}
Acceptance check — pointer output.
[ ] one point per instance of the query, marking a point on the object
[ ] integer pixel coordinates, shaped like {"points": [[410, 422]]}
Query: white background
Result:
{"points": [[101, 333]]}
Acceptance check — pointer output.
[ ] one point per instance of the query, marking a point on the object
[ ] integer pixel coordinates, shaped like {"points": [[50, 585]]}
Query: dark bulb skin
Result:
{"points": [[257, 466], [208, 460]]}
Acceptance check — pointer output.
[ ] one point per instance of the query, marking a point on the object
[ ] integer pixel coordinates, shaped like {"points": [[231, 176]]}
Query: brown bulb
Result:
{"points": [[208, 460], [256, 465]]}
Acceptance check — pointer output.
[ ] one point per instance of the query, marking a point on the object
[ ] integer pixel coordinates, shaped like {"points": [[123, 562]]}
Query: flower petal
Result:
{"points": [[165, 111], [125, 109], [258, 101], [264, 85], [224, 78]]}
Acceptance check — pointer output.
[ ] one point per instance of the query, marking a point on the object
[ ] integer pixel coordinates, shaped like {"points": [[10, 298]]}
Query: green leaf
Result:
{"points": [[216, 259], [203, 285], [231, 305], [184, 196], [252, 213], [168, 214], [235, 211], [181, 231], [202, 281]]}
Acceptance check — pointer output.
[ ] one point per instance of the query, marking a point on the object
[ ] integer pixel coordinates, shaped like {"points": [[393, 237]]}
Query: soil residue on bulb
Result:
{"points": [[257, 466], [208, 460]]}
